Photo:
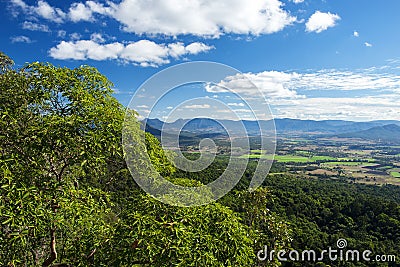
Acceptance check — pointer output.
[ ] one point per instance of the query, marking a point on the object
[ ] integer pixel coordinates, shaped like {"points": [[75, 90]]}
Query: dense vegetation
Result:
{"points": [[67, 198], [319, 212]]}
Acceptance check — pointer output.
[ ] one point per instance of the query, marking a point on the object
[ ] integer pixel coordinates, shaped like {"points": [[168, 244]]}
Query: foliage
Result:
{"points": [[58, 127], [156, 234], [158, 156], [66, 196]]}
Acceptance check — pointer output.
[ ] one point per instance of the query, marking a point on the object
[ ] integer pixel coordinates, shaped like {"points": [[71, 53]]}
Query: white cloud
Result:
{"points": [[61, 33], [206, 18], [85, 12], [28, 25], [75, 36], [79, 11], [298, 1], [97, 37], [356, 34], [42, 9], [270, 83], [46, 11], [143, 106], [242, 110], [285, 85], [20, 3], [169, 107], [320, 21], [236, 104], [86, 49], [346, 80], [178, 49], [197, 106], [197, 47], [347, 108], [144, 52], [21, 39], [202, 17], [364, 94], [367, 44]]}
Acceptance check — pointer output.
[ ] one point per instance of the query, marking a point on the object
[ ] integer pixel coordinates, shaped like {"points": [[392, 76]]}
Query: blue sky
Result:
{"points": [[311, 59]]}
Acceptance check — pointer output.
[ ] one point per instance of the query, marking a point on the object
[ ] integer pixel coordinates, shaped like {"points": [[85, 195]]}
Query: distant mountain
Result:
{"points": [[185, 137], [283, 126], [386, 122], [386, 133]]}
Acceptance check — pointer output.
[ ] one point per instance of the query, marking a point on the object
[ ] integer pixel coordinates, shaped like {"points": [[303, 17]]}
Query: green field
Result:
{"points": [[348, 163], [256, 156], [288, 158], [395, 174], [258, 151], [315, 158]]}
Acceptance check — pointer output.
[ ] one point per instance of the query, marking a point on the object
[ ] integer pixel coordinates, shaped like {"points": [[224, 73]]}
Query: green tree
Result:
{"points": [[157, 234], [58, 128], [66, 197]]}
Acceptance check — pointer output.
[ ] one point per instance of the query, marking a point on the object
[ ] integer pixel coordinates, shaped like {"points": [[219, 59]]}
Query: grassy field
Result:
{"points": [[288, 158], [395, 174], [256, 156], [258, 151], [315, 158], [348, 163]]}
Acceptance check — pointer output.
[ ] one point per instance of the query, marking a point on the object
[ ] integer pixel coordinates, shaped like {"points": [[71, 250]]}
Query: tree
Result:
{"points": [[157, 234], [5, 62], [66, 198], [58, 128]]}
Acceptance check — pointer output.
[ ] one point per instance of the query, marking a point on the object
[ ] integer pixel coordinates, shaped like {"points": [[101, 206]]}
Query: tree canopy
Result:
{"points": [[66, 196]]}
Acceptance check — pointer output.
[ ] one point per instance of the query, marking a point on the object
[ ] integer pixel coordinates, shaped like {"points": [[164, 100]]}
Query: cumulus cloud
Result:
{"points": [[28, 25], [319, 21], [144, 52], [270, 83], [79, 11], [206, 18], [86, 11], [298, 1], [364, 94], [368, 44], [46, 11], [202, 17], [42, 9], [356, 34], [21, 39], [285, 85]]}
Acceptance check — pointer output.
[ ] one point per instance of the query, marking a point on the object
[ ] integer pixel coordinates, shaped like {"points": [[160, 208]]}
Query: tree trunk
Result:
{"points": [[53, 252]]}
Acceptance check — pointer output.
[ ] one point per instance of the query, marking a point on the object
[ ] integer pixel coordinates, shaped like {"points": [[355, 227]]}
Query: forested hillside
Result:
{"points": [[68, 199]]}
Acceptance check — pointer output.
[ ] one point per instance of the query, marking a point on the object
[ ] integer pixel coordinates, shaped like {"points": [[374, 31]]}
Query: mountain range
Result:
{"points": [[384, 130]]}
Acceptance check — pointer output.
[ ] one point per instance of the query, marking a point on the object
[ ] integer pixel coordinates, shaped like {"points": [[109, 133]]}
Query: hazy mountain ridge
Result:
{"points": [[385, 133], [341, 128]]}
